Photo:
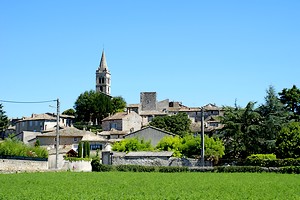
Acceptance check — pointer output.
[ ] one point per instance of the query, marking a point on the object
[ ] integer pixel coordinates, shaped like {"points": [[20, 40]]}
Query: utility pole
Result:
{"points": [[202, 136], [57, 134]]}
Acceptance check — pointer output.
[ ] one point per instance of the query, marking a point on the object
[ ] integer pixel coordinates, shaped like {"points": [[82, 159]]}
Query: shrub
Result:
{"points": [[16, 148], [98, 167], [135, 168], [262, 156], [232, 169], [290, 170], [172, 169]]}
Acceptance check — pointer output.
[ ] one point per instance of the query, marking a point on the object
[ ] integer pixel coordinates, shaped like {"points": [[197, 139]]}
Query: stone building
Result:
{"points": [[149, 107], [149, 133], [103, 81], [116, 126]]}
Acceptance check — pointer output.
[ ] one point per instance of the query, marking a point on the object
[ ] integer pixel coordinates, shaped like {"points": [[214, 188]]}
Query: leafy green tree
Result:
{"points": [[214, 148], [288, 141], [241, 131], [170, 143], [69, 111], [118, 104], [4, 122], [132, 144], [274, 116], [190, 146], [178, 124], [291, 99], [92, 106]]}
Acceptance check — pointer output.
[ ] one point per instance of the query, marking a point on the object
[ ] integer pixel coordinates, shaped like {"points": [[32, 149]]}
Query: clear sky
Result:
{"points": [[196, 52]]}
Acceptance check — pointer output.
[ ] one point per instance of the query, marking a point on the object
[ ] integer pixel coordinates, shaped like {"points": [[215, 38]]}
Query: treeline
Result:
{"points": [[273, 127]]}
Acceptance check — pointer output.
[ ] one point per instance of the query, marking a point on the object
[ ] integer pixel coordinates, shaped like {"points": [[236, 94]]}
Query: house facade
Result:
{"points": [[149, 133], [42, 122]]}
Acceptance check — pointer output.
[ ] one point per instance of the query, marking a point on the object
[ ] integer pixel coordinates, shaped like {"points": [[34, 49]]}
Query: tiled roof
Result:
{"points": [[66, 132], [113, 132], [116, 116]]}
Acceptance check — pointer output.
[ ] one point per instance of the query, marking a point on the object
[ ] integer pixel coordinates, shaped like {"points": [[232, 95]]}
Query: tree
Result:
{"points": [[92, 106], [170, 143], [4, 122], [214, 148], [79, 150], [288, 141], [69, 111], [241, 131], [118, 104], [178, 124], [274, 116], [190, 146], [86, 149], [291, 99], [132, 144]]}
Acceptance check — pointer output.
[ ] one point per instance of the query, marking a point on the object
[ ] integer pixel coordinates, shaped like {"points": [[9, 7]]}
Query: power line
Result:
{"points": [[32, 102]]}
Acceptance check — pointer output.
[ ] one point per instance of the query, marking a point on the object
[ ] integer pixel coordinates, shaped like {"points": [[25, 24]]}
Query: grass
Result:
{"points": [[129, 185]]}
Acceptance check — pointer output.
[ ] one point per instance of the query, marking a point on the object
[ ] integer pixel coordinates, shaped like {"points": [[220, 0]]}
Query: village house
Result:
{"points": [[150, 133], [116, 126], [69, 138]]}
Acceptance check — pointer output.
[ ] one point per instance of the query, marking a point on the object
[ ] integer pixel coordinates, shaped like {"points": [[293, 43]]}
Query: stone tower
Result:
{"points": [[103, 77]]}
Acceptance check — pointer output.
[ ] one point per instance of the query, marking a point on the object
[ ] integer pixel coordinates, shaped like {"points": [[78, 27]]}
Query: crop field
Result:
{"points": [[130, 185]]}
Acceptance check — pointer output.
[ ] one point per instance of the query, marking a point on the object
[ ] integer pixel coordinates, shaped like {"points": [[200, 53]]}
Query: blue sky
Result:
{"points": [[196, 52]]}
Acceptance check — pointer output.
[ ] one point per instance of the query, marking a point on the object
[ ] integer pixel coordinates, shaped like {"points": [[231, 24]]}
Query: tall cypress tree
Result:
{"points": [[80, 150], [4, 122]]}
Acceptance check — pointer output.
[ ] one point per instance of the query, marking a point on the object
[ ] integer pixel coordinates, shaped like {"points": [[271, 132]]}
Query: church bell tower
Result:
{"points": [[103, 77]]}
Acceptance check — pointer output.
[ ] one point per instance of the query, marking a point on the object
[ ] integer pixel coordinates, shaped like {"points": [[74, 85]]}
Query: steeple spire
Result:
{"points": [[103, 81], [103, 65]]}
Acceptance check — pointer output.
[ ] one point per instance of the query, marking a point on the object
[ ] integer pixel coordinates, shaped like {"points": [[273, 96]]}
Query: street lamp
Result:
{"points": [[202, 136], [57, 134]]}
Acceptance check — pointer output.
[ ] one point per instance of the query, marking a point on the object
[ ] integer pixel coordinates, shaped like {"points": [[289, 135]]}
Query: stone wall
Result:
{"points": [[78, 166], [155, 161], [11, 165]]}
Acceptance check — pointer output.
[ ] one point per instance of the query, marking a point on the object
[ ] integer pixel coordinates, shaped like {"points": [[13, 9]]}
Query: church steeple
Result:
{"points": [[103, 65], [103, 76]]}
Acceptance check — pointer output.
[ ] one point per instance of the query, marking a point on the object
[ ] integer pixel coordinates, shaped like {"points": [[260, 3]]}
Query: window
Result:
{"points": [[101, 88], [103, 80], [36, 123], [75, 139], [30, 123], [113, 125], [96, 146]]}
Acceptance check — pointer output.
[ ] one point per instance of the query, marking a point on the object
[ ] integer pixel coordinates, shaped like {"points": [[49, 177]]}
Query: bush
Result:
{"points": [[98, 167], [232, 169], [271, 163], [135, 168], [16, 148], [262, 156], [172, 169], [290, 170], [71, 159]]}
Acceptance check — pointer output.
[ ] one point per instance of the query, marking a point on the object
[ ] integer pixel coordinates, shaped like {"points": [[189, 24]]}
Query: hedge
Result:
{"points": [[98, 167]]}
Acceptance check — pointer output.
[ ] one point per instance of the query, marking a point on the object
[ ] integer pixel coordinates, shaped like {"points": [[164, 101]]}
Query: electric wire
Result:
{"points": [[31, 102]]}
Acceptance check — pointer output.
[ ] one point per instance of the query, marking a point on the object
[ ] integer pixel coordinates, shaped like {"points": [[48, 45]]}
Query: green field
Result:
{"points": [[130, 185]]}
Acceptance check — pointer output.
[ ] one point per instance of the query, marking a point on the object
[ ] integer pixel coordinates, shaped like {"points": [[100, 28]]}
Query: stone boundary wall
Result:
{"points": [[11, 165], [156, 161], [78, 166]]}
